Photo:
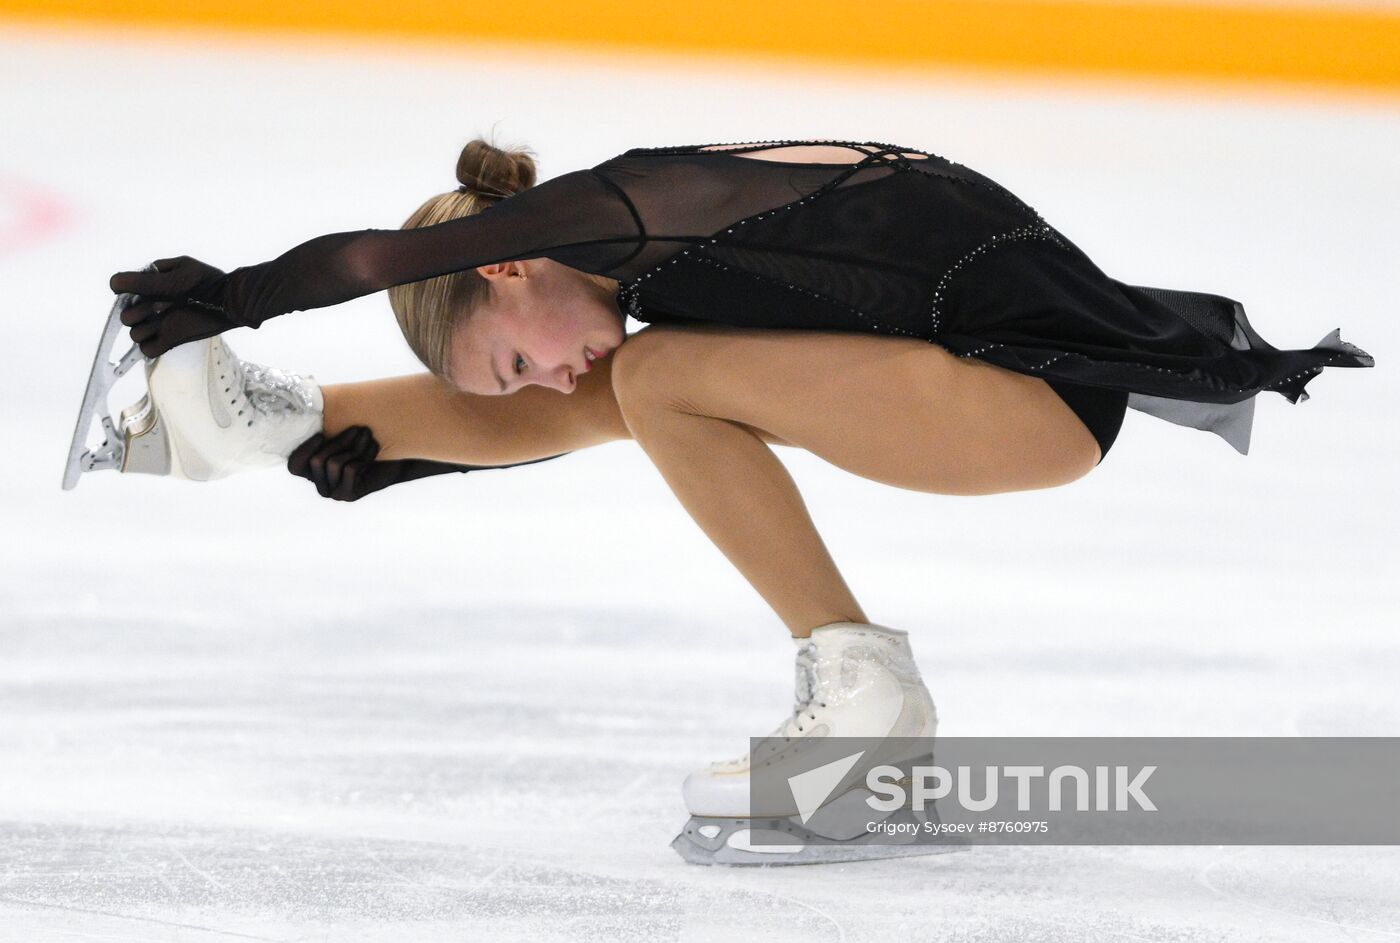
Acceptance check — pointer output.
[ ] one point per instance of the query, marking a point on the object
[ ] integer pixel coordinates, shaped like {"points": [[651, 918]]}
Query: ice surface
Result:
{"points": [[224, 717]]}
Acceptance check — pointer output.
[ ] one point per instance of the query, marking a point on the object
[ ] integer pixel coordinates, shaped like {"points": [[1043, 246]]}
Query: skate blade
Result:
{"points": [[710, 841], [111, 452]]}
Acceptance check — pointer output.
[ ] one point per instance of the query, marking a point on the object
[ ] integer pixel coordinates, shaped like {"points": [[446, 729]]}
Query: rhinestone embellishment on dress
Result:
{"points": [[1039, 229]]}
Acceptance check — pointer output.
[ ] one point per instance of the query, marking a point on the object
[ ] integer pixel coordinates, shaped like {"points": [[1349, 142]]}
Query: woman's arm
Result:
{"points": [[429, 429], [576, 219], [346, 467], [418, 416]]}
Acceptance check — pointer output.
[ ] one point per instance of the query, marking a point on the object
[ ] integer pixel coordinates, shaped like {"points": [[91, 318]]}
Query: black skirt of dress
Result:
{"points": [[1191, 358]]}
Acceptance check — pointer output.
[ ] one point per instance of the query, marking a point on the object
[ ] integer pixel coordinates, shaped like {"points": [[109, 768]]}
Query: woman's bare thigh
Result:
{"points": [[898, 410]]}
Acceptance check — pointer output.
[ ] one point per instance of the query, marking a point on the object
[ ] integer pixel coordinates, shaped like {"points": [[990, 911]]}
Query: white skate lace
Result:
{"points": [[804, 691], [275, 393], [805, 687]]}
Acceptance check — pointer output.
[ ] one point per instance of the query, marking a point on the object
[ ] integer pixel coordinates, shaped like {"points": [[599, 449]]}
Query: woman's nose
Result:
{"points": [[562, 378]]}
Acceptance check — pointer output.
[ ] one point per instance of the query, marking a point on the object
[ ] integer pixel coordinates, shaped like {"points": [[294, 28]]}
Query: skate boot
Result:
{"points": [[206, 413], [853, 680], [209, 415]]}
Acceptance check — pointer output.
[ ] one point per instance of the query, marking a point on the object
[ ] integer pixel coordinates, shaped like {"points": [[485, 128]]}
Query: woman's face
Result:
{"points": [[540, 324]]}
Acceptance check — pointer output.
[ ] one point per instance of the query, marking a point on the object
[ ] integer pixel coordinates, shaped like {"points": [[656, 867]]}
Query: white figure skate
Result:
{"points": [[205, 415], [853, 680]]}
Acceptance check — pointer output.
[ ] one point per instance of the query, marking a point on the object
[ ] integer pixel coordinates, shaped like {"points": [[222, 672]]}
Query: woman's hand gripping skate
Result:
{"points": [[344, 468], [176, 303]]}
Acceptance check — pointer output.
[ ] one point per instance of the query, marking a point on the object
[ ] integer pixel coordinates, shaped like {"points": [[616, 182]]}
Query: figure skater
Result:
{"points": [[898, 314]]}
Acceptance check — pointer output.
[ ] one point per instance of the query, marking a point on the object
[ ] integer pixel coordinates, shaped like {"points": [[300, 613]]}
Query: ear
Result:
{"points": [[497, 270]]}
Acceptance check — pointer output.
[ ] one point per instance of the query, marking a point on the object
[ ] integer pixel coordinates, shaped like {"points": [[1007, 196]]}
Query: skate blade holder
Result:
{"points": [[782, 842], [777, 840], [105, 373]]}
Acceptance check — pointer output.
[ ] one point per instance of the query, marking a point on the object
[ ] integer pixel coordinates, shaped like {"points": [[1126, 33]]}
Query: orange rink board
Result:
{"points": [[1355, 47]]}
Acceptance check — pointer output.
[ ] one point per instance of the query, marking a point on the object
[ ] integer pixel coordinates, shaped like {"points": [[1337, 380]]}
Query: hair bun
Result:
{"points": [[492, 172]]}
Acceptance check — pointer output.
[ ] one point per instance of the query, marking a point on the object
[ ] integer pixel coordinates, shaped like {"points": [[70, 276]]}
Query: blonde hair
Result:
{"points": [[429, 311]]}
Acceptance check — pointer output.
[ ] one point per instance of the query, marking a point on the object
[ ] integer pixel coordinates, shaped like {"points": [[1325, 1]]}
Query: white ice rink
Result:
{"points": [[462, 709]]}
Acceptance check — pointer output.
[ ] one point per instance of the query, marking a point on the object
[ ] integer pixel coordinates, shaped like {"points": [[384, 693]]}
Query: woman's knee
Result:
{"points": [[648, 369], [660, 372]]}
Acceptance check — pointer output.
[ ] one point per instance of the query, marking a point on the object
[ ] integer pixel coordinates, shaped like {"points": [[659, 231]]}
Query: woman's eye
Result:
{"points": [[518, 361]]}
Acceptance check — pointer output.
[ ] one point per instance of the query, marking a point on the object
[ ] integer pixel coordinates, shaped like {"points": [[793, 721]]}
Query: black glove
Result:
{"points": [[343, 468], [176, 303]]}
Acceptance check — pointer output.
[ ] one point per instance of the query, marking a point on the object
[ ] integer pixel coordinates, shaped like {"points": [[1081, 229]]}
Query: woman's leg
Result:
{"points": [[896, 410], [419, 416]]}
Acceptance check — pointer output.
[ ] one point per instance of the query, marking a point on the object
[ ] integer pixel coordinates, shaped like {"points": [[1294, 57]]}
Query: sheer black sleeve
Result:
{"points": [[622, 218], [578, 219]]}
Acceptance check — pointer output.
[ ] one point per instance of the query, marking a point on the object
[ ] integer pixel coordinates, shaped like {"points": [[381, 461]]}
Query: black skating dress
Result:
{"points": [[916, 247]]}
